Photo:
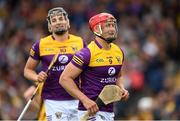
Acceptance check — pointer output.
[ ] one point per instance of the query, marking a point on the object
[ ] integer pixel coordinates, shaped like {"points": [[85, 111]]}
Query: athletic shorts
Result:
{"points": [[99, 116], [61, 110]]}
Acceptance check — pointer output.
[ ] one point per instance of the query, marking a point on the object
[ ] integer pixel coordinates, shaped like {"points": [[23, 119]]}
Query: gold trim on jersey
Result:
{"points": [[49, 46], [77, 60], [101, 57]]}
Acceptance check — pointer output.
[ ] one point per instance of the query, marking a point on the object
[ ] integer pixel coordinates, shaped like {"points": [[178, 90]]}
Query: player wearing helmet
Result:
{"points": [[104, 20], [58, 103], [58, 14], [98, 65]]}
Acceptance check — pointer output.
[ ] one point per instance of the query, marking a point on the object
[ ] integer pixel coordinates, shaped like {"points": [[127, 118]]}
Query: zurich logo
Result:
{"points": [[63, 59], [111, 71]]}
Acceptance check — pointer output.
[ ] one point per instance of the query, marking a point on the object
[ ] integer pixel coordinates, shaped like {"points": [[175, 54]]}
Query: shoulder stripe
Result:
{"points": [[77, 62], [78, 59]]}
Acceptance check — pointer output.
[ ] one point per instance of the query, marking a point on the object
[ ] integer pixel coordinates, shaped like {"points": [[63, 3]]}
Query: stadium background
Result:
{"points": [[149, 36]]}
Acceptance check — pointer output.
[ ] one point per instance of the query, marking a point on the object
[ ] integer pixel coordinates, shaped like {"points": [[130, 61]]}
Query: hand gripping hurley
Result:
{"points": [[109, 94]]}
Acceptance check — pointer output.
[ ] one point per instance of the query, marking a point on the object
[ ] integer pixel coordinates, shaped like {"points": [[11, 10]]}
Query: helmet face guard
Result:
{"points": [[58, 29], [100, 22]]}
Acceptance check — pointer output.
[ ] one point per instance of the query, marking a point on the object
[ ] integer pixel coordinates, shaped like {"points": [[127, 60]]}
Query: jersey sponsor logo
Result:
{"points": [[49, 49], [63, 59], [111, 71], [108, 80], [99, 60], [58, 68]]}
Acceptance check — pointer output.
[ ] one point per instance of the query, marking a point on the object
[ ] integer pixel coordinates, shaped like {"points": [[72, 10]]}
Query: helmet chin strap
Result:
{"points": [[108, 40]]}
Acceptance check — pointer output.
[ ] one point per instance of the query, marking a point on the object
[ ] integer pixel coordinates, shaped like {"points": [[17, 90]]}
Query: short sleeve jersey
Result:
{"points": [[44, 50], [100, 67]]}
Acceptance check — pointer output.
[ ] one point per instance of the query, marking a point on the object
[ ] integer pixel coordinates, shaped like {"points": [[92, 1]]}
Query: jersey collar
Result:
{"points": [[97, 43]]}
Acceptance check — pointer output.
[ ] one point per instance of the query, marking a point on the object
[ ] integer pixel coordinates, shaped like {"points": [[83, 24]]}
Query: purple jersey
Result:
{"points": [[44, 50], [100, 67]]}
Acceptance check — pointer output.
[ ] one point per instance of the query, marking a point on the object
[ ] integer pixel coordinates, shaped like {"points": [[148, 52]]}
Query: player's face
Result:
{"points": [[59, 24], [109, 29]]}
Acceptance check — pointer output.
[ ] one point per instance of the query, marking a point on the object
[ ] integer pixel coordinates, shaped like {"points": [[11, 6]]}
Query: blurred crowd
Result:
{"points": [[149, 35]]}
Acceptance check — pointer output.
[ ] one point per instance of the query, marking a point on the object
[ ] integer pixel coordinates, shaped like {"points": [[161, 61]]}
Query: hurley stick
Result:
{"points": [[35, 91], [109, 94]]}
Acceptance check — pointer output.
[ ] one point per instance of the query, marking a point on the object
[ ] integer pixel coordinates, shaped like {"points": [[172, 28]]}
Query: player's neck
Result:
{"points": [[104, 44], [63, 37]]}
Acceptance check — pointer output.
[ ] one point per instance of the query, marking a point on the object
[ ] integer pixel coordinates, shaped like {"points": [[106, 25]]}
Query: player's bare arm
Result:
{"points": [[28, 93], [30, 73], [66, 80], [119, 82]]}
